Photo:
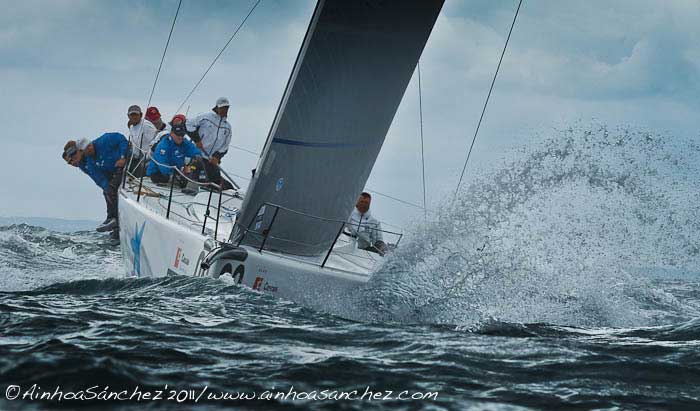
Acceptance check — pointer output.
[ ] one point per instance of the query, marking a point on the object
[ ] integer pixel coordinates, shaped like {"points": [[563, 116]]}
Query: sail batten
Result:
{"points": [[349, 78]]}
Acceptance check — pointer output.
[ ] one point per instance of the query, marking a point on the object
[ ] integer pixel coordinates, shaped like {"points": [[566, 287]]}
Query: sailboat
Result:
{"points": [[287, 234]]}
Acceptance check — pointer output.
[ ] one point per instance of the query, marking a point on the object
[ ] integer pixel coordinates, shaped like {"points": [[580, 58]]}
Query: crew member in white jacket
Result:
{"points": [[211, 132], [141, 132], [365, 227]]}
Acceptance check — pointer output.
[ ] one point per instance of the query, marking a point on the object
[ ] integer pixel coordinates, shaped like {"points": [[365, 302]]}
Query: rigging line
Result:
{"points": [[245, 149], [401, 228], [219, 55], [394, 198], [167, 43], [256, 154], [239, 176], [373, 191], [422, 153], [160, 66], [505, 46], [368, 189]]}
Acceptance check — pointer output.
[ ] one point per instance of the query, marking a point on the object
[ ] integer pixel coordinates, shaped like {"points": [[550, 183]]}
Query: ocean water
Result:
{"points": [[567, 279]]}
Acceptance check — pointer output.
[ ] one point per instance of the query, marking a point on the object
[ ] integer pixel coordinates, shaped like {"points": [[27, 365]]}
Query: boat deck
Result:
{"points": [[188, 209]]}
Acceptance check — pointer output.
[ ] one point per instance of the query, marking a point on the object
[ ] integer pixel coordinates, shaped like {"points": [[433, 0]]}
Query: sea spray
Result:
{"points": [[561, 234]]}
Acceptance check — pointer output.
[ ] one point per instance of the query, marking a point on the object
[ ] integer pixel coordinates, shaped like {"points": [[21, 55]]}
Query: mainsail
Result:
{"points": [[353, 68]]}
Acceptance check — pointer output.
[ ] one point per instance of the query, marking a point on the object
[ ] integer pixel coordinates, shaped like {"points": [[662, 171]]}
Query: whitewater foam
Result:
{"points": [[33, 257], [558, 235]]}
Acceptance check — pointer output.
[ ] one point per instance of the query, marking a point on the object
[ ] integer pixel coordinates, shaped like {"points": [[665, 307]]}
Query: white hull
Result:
{"points": [[154, 246]]}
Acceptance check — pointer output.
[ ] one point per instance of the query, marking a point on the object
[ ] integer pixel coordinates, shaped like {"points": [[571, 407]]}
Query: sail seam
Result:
{"points": [[319, 145]]}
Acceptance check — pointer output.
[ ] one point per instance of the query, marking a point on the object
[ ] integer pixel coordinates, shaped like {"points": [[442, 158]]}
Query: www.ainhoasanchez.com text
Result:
{"points": [[35, 392]]}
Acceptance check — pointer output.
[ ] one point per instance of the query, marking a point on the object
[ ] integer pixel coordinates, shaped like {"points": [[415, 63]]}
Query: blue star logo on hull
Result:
{"points": [[136, 247]]}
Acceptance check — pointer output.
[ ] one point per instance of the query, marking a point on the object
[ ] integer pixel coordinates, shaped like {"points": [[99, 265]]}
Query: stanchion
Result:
{"points": [[206, 215], [218, 212], [170, 197]]}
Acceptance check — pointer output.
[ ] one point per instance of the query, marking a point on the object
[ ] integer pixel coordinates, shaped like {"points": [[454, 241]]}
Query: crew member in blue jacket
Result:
{"points": [[171, 152], [103, 160]]}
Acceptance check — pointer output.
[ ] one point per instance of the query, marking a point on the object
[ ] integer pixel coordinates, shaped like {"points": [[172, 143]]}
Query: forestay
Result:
{"points": [[354, 65]]}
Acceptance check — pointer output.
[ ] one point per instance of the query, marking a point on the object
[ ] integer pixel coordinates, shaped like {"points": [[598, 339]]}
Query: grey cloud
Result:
{"points": [[575, 49]]}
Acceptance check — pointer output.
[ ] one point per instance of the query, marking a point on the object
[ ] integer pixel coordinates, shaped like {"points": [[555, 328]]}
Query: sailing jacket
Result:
{"points": [[109, 148], [365, 227], [167, 153], [159, 137], [214, 132], [100, 178], [141, 136]]}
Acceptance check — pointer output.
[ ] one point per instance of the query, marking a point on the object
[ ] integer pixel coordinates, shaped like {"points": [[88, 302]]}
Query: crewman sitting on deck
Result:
{"points": [[365, 227], [103, 160], [171, 152], [177, 119]]}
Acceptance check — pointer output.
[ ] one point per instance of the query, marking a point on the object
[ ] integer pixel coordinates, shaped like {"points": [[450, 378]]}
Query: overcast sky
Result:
{"points": [[70, 68]]}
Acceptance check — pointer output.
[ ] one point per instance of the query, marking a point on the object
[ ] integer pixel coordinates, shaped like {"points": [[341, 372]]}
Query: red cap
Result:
{"points": [[178, 117], [152, 114]]}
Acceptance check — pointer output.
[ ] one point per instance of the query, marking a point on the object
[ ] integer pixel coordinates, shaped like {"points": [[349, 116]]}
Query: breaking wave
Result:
{"points": [[33, 256], [569, 232]]}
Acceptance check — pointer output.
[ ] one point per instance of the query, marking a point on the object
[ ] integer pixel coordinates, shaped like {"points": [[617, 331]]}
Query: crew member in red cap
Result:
{"points": [[153, 115], [177, 119]]}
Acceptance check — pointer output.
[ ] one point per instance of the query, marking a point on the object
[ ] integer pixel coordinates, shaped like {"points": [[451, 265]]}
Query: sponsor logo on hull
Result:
{"points": [[177, 257], [261, 285], [180, 258], [135, 243]]}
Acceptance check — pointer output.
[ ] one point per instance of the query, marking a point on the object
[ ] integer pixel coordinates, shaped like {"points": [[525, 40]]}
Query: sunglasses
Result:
{"points": [[70, 153]]}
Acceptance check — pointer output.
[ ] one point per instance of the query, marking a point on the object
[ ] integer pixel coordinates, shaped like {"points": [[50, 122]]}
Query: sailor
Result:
{"points": [[365, 227], [153, 115], [177, 119], [141, 135], [212, 132], [171, 152], [103, 160], [70, 152]]}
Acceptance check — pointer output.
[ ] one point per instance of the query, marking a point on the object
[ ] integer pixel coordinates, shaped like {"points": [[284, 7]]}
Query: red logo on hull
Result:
{"points": [[258, 283], [177, 257]]}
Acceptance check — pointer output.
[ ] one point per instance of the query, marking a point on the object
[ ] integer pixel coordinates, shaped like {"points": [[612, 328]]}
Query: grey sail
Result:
{"points": [[353, 68]]}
